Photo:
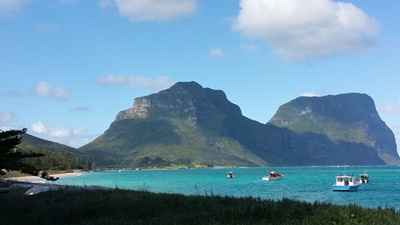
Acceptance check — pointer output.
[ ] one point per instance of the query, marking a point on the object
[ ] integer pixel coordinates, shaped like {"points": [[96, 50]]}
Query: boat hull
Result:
{"points": [[344, 188], [272, 176]]}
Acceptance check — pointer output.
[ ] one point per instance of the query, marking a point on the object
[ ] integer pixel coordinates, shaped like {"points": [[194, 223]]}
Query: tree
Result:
{"points": [[11, 158]]}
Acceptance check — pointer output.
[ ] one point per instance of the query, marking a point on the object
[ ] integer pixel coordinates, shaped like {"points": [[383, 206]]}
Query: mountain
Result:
{"points": [[346, 123], [56, 156], [30, 141], [188, 125], [180, 126]]}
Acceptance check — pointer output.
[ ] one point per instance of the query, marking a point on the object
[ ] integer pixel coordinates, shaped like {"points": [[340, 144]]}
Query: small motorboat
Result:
{"points": [[364, 178], [230, 175], [273, 176], [346, 183]]}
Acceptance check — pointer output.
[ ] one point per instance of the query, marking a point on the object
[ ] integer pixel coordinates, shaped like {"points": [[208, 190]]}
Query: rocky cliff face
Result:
{"points": [[180, 126], [171, 101], [184, 99], [350, 118]]}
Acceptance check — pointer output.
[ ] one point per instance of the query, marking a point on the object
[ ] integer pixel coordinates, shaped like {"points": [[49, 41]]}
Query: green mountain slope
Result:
{"points": [[33, 142], [346, 126], [188, 125], [56, 156], [179, 126]]}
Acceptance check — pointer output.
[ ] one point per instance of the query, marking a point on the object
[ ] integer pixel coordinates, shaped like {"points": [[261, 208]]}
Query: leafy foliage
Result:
{"points": [[141, 207], [56, 161], [33, 142], [11, 158], [31, 155], [55, 156]]}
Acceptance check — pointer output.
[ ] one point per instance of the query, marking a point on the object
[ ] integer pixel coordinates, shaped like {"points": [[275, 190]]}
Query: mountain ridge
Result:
{"points": [[182, 124], [349, 121], [191, 126]]}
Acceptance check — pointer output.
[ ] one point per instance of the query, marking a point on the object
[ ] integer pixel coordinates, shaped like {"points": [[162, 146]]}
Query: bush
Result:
{"points": [[142, 207]]}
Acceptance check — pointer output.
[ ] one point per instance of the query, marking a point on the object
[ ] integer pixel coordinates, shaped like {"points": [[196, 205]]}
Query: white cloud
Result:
{"points": [[249, 47], [39, 127], [309, 94], [308, 29], [43, 89], [74, 137], [78, 131], [81, 109], [217, 53], [59, 132], [7, 120], [8, 7], [157, 84], [152, 10], [105, 3], [66, 2], [390, 108], [113, 79]]}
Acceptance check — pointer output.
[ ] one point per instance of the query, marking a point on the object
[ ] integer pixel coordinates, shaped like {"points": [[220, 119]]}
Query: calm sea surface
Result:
{"points": [[301, 183]]}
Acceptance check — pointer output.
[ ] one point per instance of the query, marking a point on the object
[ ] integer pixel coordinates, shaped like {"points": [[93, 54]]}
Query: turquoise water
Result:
{"points": [[301, 183]]}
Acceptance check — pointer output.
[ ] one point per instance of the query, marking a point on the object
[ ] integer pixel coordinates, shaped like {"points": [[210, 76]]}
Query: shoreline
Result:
{"points": [[37, 179], [35, 184]]}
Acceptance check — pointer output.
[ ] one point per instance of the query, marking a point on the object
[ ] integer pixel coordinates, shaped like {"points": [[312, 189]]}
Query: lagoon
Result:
{"points": [[300, 183]]}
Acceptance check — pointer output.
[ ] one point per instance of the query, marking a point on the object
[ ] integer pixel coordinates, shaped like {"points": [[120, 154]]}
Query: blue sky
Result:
{"points": [[67, 67]]}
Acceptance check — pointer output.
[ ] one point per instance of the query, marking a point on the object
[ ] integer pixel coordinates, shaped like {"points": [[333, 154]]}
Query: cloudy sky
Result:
{"points": [[67, 67]]}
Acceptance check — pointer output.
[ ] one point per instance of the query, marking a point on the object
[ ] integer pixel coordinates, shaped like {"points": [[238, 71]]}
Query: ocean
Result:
{"points": [[300, 183]]}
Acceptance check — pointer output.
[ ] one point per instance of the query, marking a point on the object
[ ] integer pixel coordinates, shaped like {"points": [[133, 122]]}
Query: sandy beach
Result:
{"points": [[37, 179], [37, 185]]}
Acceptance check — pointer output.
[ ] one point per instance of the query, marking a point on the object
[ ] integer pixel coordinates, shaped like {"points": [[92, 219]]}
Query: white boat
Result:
{"points": [[230, 175], [346, 183], [273, 176], [364, 178]]}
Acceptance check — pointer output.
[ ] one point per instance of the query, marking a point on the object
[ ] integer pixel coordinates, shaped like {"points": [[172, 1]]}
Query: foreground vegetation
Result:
{"points": [[142, 207]]}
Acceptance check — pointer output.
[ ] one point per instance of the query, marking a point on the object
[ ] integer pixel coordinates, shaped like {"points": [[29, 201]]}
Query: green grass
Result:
{"points": [[143, 207]]}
